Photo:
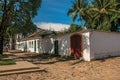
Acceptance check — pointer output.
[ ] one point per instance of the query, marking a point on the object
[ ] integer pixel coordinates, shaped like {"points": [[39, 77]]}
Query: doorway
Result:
{"points": [[35, 46], [56, 46], [76, 45]]}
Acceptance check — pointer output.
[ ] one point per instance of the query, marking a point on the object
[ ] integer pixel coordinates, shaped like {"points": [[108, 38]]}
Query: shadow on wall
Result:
{"points": [[86, 46], [64, 45], [25, 46], [46, 46], [85, 43]]}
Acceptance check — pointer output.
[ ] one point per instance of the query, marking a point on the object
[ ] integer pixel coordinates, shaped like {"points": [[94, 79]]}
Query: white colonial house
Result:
{"points": [[31, 43], [88, 44]]}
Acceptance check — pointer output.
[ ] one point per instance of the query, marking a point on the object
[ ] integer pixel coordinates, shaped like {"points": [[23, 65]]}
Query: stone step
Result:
{"points": [[19, 67], [20, 71]]}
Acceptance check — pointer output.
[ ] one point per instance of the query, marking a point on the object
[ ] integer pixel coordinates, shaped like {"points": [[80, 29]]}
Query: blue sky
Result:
{"points": [[53, 15], [54, 11]]}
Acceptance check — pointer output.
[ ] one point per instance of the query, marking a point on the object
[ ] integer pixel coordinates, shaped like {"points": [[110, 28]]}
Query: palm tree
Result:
{"points": [[100, 14], [107, 13], [78, 10], [82, 9]]}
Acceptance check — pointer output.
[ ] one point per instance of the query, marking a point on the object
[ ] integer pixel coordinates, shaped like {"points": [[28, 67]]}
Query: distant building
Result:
{"points": [[31, 43]]}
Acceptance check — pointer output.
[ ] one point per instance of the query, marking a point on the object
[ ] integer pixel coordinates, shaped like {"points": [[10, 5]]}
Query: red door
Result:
{"points": [[76, 44]]}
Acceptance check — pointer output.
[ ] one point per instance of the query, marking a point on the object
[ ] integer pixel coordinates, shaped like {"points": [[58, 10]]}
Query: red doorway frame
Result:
{"points": [[76, 45]]}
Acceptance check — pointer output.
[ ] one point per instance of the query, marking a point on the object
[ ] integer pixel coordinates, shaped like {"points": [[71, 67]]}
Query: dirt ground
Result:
{"points": [[57, 68]]}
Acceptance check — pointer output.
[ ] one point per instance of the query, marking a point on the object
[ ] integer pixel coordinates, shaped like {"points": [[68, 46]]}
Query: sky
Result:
{"points": [[54, 13]]}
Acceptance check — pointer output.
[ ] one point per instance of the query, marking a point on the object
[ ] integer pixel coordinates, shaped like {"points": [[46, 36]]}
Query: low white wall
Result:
{"points": [[104, 44], [86, 46]]}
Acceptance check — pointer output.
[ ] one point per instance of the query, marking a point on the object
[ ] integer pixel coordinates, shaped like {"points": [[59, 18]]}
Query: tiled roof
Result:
{"points": [[39, 34]]}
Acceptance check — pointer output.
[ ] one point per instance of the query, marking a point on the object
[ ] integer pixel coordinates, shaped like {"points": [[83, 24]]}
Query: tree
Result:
{"points": [[100, 14], [78, 9], [107, 14], [12, 31], [74, 27], [16, 13]]}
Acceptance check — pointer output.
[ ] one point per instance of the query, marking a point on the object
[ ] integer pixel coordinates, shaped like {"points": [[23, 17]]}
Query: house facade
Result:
{"points": [[88, 44], [30, 45]]}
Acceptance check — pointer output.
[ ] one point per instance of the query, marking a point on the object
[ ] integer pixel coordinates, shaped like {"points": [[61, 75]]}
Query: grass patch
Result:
{"points": [[3, 56], [5, 61]]}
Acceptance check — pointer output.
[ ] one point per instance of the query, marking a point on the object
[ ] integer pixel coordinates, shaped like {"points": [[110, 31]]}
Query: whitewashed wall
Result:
{"points": [[20, 46], [37, 45], [46, 45], [17, 46], [64, 45], [31, 49], [86, 46], [25, 46], [104, 44]]}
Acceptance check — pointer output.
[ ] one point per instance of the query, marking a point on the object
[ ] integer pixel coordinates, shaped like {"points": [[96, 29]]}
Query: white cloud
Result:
{"points": [[52, 26]]}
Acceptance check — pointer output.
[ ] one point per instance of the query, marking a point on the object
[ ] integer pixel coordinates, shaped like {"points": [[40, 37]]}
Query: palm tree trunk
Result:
{"points": [[1, 44]]}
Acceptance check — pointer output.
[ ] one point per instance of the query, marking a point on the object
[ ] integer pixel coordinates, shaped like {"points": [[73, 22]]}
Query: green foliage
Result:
{"points": [[5, 61], [28, 28], [74, 27], [18, 13], [3, 56], [15, 15], [98, 14]]}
